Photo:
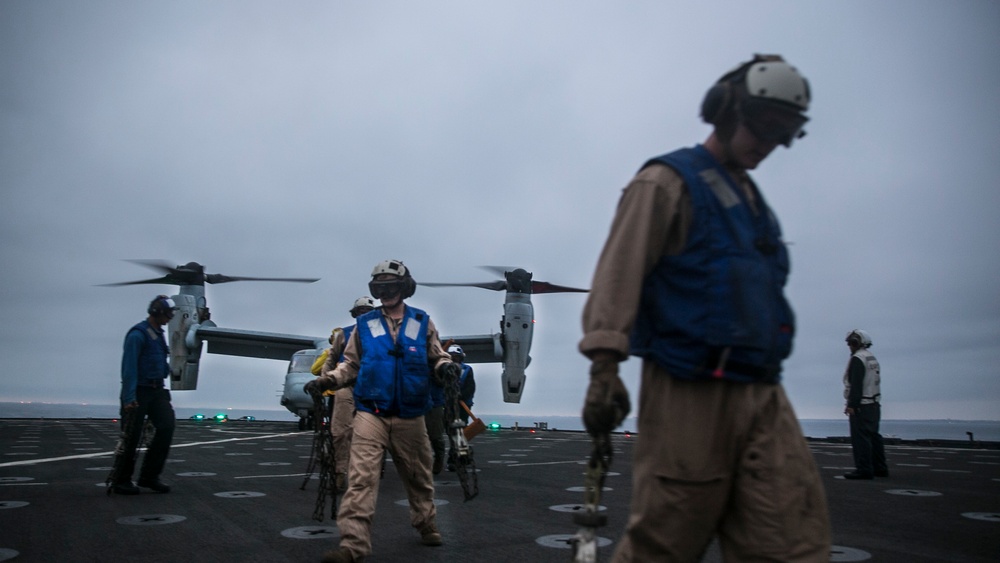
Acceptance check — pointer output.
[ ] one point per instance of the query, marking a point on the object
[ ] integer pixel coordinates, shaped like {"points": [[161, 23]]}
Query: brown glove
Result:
{"points": [[607, 403], [319, 385], [446, 373]]}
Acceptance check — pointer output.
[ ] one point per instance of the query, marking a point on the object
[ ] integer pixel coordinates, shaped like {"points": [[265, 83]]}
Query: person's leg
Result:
{"points": [[681, 473], [357, 508], [161, 415], [778, 508]]}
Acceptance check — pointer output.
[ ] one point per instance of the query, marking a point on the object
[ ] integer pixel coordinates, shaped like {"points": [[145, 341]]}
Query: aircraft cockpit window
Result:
{"points": [[301, 363]]}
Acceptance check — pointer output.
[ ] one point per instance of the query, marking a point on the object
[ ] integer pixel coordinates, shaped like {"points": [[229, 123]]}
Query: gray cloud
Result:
{"points": [[315, 139]]}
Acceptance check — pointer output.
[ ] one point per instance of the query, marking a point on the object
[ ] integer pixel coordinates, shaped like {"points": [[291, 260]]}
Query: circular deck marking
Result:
{"points": [[6, 554], [196, 474], [584, 489], [151, 519], [841, 553], [239, 494], [437, 502], [913, 493], [274, 463], [12, 504], [565, 541], [573, 508], [608, 474], [501, 461], [986, 516], [310, 532], [5, 480]]}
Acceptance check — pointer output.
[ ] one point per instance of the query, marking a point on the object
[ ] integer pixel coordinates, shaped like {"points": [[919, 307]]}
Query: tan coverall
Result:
{"points": [[406, 440], [342, 423], [712, 457]]}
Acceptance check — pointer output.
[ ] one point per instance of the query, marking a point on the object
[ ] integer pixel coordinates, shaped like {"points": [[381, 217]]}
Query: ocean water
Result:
{"points": [[982, 430]]}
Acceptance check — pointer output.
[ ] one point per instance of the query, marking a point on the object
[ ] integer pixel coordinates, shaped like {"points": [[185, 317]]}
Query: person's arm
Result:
{"points": [[856, 378], [336, 350], [436, 354], [469, 387], [130, 366], [652, 218], [345, 373]]}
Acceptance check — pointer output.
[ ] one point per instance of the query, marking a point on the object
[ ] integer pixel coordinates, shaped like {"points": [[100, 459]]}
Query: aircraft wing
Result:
{"points": [[254, 344], [479, 349]]}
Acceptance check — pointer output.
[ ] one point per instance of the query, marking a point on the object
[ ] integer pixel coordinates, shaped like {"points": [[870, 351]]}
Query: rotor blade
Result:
{"points": [[499, 270], [165, 280], [498, 285], [222, 278], [546, 287], [161, 265]]}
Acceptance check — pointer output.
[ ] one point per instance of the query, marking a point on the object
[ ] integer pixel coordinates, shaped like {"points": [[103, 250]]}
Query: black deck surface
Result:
{"points": [[236, 497]]}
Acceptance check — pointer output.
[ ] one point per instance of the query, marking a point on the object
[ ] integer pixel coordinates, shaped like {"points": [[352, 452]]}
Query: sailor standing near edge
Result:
{"points": [[863, 393]]}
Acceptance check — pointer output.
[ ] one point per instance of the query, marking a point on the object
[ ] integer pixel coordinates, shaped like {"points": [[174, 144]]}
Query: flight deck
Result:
{"points": [[237, 496]]}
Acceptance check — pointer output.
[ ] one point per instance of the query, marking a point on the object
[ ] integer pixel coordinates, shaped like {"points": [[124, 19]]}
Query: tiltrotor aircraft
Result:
{"points": [[192, 326]]}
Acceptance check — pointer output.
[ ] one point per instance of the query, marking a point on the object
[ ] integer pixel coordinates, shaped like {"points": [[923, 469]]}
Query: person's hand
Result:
{"points": [[131, 405], [446, 373], [316, 386], [607, 403]]}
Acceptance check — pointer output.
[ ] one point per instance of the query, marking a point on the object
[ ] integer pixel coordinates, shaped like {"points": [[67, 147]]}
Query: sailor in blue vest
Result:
{"points": [[391, 359], [466, 393], [691, 280], [143, 394]]}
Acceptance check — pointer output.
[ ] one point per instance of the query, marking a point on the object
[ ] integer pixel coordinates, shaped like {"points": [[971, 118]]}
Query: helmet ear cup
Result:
{"points": [[409, 288], [716, 102]]}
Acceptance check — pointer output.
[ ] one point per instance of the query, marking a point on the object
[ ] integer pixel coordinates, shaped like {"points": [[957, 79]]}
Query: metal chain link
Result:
{"points": [[585, 541], [322, 451], [465, 463]]}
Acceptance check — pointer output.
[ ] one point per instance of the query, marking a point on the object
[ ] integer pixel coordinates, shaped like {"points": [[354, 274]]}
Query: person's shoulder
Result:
{"points": [[657, 173]]}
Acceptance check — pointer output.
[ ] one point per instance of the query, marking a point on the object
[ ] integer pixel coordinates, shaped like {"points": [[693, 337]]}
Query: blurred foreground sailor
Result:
{"points": [[391, 358], [691, 279], [144, 395], [863, 393]]}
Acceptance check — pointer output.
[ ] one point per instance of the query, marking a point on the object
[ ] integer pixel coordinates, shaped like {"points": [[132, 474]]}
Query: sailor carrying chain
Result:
{"points": [[465, 464], [585, 540]]}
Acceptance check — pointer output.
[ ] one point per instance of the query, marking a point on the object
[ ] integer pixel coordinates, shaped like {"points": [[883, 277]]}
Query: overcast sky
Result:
{"points": [[315, 139]]}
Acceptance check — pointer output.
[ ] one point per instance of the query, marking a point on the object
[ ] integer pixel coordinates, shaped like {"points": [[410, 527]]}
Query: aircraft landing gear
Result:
{"points": [[307, 422]]}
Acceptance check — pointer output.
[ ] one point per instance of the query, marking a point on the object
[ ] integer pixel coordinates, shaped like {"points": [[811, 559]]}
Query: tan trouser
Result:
{"points": [[406, 440], [342, 428], [727, 459]]}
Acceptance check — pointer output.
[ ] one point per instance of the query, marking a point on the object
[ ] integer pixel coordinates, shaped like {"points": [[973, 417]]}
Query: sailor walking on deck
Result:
{"points": [[144, 395], [390, 359]]}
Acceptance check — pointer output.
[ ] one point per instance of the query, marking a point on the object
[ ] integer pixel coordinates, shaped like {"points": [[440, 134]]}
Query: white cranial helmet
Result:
{"points": [[860, 337]]}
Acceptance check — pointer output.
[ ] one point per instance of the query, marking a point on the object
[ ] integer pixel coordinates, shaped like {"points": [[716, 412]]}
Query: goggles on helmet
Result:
{"points": [[386, 289], [772, 123]]}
